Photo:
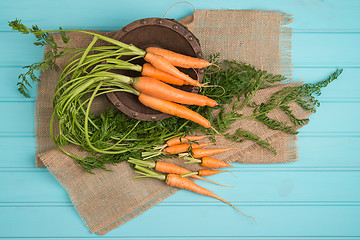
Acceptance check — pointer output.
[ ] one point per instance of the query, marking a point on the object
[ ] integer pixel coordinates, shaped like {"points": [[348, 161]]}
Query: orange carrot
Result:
{"points": [[210, 162], [209, 172], [149, 70], [166, 167], [185, 183], [183, 139], [180, 148], [164, 65], [155, 88], [176, 180], [199, 153], [174, 109], [179, 60]]}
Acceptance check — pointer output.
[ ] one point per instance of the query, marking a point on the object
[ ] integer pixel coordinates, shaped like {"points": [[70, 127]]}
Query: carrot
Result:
{"points": [[166, 167], [176, 180], [180, 148], [209, 172], [199, 153], [155, 88], [170, 168], [174, 109], [183, 139], [149, 70], [179, 60], [164, 65], [210, 162]]}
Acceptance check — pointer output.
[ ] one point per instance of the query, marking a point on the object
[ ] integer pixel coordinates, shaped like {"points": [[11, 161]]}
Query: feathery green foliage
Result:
{"points": [[241, 82], [113, 137], [43, 39]]}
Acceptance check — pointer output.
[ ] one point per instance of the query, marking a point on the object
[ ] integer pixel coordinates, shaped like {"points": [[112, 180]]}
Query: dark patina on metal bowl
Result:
{"points": [[155, 32]]}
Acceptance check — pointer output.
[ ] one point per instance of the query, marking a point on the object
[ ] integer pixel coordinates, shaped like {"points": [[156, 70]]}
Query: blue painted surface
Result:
{"points": [[317, 197]]}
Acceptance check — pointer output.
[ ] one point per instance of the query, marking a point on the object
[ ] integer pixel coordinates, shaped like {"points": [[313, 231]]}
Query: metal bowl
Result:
{"points": [[155, 32]]}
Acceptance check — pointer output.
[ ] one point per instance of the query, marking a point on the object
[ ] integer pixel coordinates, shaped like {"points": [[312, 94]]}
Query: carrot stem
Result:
{"points": [[189, 174], [149, 174], [138, 162], [192, 160]]}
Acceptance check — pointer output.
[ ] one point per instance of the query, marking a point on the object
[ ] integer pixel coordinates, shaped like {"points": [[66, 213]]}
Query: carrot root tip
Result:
{"points": [[216, 70], [229, 172], [218, 133]]}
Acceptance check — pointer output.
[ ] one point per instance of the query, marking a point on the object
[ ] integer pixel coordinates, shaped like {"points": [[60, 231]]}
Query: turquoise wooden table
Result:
{"points": [[317, 197]]}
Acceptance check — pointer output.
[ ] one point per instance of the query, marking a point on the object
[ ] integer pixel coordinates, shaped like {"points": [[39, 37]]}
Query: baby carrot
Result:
{"points": [[159, 89], [180, 148], [183, 139], [174, 109], [199, 153], [176, 180], [208, 162], [209, 172], [166, 167], [164, 65], [149, 70], [179, 60]]}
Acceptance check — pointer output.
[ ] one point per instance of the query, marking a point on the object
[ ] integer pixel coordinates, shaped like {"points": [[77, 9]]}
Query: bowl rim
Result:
{"points": [[174, 26]]}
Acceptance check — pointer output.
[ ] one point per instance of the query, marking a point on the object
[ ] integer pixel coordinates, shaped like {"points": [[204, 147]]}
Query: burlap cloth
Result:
{"points": [[105, 200]]}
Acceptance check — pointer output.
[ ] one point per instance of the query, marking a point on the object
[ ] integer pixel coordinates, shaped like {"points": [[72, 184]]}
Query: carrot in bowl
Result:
{"points": [[159, 89], [174, 109], [176, 180], [149, 70], [155, 88], [146, 70], [179, 60], [163, 64]]}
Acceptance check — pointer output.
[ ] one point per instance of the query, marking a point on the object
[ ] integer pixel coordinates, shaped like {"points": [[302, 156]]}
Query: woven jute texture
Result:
{"points": [[105, 200]]}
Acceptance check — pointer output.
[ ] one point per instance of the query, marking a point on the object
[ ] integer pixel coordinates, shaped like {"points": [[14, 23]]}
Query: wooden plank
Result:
{"points": [[17, 151], [308, 158], [17, 117], [250, 186], [325, 49], [345, 119], [313, 15], [344, 88], [207, 222], [317, 49], [8, 91]]}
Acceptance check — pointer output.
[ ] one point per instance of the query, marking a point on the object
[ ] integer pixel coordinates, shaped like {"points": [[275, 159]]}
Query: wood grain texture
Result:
{"points": [[316, 197]]}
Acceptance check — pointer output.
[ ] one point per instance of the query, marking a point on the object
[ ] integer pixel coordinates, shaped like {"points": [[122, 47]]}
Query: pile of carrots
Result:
{"points": [[89, 74], [177, 176], [157, 94]]}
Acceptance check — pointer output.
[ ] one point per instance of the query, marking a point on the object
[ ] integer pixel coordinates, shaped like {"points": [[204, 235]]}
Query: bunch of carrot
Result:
{"points": [[161, 71], [175, 175], [153, 87], [89, 74]]}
